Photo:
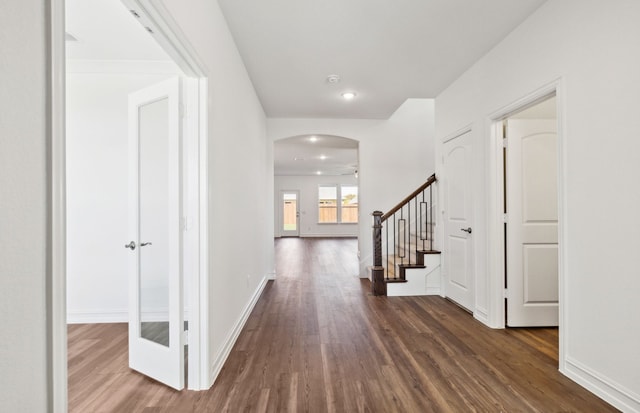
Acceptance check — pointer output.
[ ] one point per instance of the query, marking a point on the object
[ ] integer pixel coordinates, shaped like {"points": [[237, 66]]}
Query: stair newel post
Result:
{"points": [[378, 286]]}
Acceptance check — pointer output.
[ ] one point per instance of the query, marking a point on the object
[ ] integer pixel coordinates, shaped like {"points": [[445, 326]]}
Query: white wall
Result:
{"points": [[24, 208], [308, 205], [240, 177], [97, 193], [592, 47], [396, 156]]}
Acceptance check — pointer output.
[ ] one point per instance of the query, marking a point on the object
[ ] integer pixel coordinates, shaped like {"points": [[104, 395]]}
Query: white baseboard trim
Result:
{"points": [[365, 265], [222, 356], [316, 235], [480, 314], [115, 316], [328, 235], [613, 393], [97, 316], [433, 291]]}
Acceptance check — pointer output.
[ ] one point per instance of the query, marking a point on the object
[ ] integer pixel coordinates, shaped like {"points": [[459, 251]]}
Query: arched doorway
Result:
{"points": [[316, 186]]}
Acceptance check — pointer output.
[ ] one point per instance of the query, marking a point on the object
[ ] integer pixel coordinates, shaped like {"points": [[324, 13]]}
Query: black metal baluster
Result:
{"points": [[415, 207], [408, 234], [430, 229], [386, 257], [394, 245], [405, 237], [400, 246], [423, 222]]}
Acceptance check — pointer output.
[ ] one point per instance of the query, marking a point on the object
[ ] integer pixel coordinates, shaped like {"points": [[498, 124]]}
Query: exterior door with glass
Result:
{"points": [[290, 213]]}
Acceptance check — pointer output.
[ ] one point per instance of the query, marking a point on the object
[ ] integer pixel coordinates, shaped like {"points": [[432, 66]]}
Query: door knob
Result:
{"points": [[131, 245], [144, 244], [467, 230]]}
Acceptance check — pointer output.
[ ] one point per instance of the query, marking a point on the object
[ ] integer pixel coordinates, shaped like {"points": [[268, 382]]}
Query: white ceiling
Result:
{"points": [[107, 31], [386, 51], [310, 154]]}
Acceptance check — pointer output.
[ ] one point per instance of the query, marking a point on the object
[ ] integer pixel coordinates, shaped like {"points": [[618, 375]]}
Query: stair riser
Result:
{"points": [[424, 281]]}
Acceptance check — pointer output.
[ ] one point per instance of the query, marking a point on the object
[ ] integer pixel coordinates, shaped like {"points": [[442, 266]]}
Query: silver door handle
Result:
{"points": [[144, 244], [467, 230], [131, 245]]}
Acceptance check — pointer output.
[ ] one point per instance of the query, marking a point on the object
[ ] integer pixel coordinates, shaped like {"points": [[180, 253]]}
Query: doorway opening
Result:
{"points": [[316, 186], [541, 212], [530, 188], [101, 74], [537, 254]]}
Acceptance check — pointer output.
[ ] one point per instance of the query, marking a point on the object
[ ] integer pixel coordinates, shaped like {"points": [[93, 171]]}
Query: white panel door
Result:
{"points": [[156, 346], [532, 224], [290, 213], [458, 245]]}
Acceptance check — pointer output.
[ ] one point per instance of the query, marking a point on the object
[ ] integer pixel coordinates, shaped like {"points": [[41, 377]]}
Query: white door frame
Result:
{"points": [[57, 291], [495, 185], [168, 34], [195, 186]]}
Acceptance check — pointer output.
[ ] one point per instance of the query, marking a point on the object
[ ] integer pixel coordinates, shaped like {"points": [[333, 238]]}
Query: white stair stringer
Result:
{"points": [[420, 281]]}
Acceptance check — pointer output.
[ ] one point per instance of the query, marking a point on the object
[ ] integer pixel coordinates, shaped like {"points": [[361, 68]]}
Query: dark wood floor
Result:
{"points": [[318, 341]]}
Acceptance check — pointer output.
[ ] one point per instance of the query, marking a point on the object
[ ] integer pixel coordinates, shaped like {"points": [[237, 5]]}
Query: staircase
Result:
{"points": [[405, 262]]}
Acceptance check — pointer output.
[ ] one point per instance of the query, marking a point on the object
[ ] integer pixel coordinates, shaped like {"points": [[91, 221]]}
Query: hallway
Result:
{"points": [[318, 341]]}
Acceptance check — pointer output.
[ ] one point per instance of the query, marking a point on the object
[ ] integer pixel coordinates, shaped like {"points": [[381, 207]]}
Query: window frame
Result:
{"points": [[357, 206], [338, 188]]}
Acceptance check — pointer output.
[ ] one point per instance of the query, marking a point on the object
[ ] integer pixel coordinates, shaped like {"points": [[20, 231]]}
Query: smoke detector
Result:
{"points": [[333, 79]]}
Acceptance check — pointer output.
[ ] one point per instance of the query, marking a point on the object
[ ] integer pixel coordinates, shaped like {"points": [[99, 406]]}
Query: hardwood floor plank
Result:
{"points": [[318, 341]]}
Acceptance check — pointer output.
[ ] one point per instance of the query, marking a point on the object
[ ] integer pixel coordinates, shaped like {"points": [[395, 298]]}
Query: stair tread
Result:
{"points": [[411, 266], [429, 251], [394, 280]]}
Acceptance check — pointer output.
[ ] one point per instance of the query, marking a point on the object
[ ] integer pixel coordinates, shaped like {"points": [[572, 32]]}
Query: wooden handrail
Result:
{"points": [[402, 203]]}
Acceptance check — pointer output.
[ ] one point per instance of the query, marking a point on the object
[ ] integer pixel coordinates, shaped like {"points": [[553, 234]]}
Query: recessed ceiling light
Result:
{"points": [[349, 95], [323, 157], [313, 138], [318, 172], [333, 78]]}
